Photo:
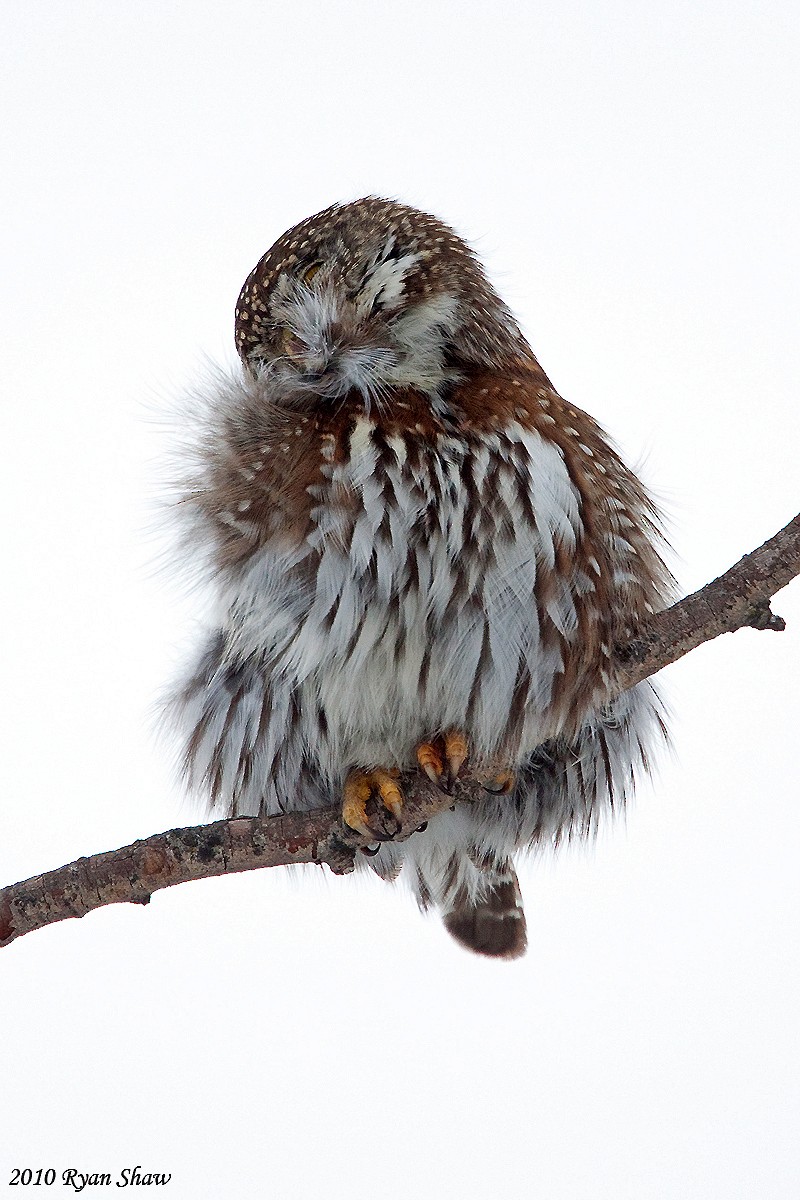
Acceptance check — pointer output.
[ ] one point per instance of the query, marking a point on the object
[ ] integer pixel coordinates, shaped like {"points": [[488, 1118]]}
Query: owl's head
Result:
{"points": [[370, 296]]}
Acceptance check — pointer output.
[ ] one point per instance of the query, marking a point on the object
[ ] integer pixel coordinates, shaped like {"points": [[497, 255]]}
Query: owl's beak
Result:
{"points": [[311, 362]]}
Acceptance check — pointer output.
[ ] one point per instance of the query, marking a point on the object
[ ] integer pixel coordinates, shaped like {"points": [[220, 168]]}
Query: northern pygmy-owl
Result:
{"points": [[419, 551]]}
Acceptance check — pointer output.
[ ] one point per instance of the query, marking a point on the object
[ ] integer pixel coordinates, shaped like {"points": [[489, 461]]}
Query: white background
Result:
{"points": [[628, 171]]}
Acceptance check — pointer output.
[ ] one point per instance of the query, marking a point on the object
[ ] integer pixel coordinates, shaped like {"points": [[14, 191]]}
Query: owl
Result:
{"points": [[419, 556]]}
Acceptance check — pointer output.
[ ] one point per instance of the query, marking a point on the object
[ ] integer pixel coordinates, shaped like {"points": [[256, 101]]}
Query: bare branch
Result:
{"points": [[738, 598], [132, 873]]}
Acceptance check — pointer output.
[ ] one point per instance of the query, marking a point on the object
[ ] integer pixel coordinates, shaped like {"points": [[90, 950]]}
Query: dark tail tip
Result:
{"points": [[495, 924]]}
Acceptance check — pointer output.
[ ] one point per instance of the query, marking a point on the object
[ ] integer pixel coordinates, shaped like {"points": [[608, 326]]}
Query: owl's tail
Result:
{"points": [[459, 870], [461, 866], [493, 923]]}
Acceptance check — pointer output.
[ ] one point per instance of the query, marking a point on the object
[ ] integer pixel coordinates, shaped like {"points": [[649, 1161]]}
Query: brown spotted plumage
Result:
{"points": [[419, 551]]}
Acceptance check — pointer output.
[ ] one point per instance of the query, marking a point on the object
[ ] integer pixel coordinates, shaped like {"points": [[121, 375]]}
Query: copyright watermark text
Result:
{"points": [[78, 1180]]}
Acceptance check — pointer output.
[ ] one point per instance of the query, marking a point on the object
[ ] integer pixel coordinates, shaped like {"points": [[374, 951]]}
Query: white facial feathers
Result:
{"points": [[384, 285], [367, 338]]}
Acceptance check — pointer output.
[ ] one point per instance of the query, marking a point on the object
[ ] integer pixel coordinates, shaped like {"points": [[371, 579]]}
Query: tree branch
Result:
{"points": [[736, 599], [740, 597]]}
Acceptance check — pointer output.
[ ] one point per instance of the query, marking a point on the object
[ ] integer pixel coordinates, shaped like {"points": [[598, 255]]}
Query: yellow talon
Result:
{"points": [[357, 792], [500, 784], [455, 751], [358, 788], [430, 761], [389, 791], [451, 749]]}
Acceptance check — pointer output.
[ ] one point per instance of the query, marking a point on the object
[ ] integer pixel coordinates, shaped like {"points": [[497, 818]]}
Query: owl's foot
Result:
{"points": [[442, 758], [359, 789], [500, 784]]}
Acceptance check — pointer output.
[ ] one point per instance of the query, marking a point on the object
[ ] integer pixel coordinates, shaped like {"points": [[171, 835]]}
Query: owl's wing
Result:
{"points": [[244, 741]]}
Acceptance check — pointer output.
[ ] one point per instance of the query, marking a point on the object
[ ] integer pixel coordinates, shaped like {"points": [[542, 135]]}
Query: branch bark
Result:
{"points": [[736, 599], [741, 597]]}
